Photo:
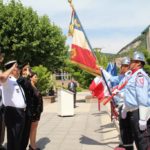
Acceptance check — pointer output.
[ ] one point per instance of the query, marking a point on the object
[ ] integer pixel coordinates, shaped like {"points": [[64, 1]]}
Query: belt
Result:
{"points": [[132, 109], [16, 108]]}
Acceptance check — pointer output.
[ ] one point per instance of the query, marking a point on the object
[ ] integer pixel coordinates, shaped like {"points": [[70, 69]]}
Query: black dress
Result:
{"points": [[37, 106]]}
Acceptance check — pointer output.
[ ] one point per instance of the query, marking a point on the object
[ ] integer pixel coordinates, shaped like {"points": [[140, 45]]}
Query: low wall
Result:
{"points": [[50, 99]]}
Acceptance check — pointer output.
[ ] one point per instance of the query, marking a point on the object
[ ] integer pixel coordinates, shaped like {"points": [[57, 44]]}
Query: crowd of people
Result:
{"points": [[132, 99], [21, 106]]}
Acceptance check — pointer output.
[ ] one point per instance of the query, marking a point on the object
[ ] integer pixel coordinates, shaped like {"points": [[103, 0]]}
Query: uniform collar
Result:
{"points": [[12, 77], [134, 70]]}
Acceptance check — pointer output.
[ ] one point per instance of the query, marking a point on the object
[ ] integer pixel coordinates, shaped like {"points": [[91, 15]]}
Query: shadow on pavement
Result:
{"points": [[109, 125], [80, 101], [89, 141], [42, 142], [100, 113], [99, 131]]}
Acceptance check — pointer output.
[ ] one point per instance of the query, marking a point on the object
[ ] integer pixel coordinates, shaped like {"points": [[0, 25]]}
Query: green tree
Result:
{"points": [[45, 80], [27, 37], [83, 78]]}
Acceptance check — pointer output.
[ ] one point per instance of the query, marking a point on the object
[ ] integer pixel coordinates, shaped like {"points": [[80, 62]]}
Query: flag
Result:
{"points": [[112, 69], [98, 88], [81, 51]]}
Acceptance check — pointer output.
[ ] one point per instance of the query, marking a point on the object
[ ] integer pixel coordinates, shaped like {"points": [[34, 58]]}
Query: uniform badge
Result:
{"points": [[140, 80], [17, 90]]}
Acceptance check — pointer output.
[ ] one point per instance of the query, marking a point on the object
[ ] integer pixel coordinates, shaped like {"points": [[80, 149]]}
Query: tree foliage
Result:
{"points": [[83, 78], [27, 37], [44, 78], [102, 59]]}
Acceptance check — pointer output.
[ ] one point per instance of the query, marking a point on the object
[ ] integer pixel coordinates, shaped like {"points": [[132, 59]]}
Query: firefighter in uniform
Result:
{"points": [[123, 125], [125, 136], [136, 105], [15, 105]]}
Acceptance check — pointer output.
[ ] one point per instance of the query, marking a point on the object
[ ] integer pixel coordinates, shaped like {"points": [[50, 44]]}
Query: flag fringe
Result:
{"points": [[87, 69]]}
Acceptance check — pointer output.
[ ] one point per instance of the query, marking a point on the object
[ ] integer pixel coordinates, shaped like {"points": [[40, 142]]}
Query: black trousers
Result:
{"points": [[26, 132], [14, 120], [2, 125], [133, 132], [74, 99], [125, 132]]}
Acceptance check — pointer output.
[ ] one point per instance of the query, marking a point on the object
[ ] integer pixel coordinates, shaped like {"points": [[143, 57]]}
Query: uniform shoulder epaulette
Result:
{"points": [[129, 72], [139, 74]]}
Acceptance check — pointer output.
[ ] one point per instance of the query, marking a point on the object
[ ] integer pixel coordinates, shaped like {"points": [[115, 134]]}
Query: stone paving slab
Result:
{"points": [[87, 129]]}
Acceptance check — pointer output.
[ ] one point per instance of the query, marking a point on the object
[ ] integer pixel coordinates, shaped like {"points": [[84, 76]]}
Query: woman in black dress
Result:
{"points": [[37, 109]]}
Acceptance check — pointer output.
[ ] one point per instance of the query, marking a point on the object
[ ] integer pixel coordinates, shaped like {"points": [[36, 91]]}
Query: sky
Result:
{"points": [[109, 24]]}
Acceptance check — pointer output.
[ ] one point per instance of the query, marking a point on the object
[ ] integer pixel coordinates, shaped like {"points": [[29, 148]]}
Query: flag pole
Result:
{"points": [[112, 103], [71, 4]]}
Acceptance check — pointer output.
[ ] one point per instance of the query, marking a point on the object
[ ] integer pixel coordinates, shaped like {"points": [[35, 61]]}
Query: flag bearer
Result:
{"points": [[136, 107]]}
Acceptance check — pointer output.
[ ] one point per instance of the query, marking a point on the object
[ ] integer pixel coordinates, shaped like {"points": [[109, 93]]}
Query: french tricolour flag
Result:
{"points": [[81, 51], [99, 88]]}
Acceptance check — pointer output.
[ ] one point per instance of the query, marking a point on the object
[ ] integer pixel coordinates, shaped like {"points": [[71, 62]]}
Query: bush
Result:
{"points": [[45, 81], [79, 89]]}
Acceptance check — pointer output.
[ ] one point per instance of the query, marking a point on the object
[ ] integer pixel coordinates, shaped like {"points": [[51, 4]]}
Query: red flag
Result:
{"points": [[81, 51], [98, 88]]}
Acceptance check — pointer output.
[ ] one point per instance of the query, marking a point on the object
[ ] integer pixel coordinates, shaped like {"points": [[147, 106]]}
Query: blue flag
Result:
{"points": [[112, 69]]}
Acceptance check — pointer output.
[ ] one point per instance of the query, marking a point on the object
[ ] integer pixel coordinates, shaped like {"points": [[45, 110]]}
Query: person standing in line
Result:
{"points": [[25, 82], [37, 110], [72, 86], [126, 137], [2, 122], [136, 107], [15, 105], [125, 134]]}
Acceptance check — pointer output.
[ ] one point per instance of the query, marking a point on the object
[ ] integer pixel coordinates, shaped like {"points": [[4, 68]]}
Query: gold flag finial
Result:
{"points": [[70, 1]]}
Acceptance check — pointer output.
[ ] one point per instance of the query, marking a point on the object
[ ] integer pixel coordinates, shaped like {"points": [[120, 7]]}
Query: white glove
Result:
{"points": [[142, 125], [115, 91], [121, 95], [123, 114]]}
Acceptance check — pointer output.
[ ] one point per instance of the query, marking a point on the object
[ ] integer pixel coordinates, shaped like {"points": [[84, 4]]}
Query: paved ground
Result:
{"points": [[88, 129]]}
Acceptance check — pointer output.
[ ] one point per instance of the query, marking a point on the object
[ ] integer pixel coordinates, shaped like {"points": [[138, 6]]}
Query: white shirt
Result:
{"points": [[12, 93]]}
